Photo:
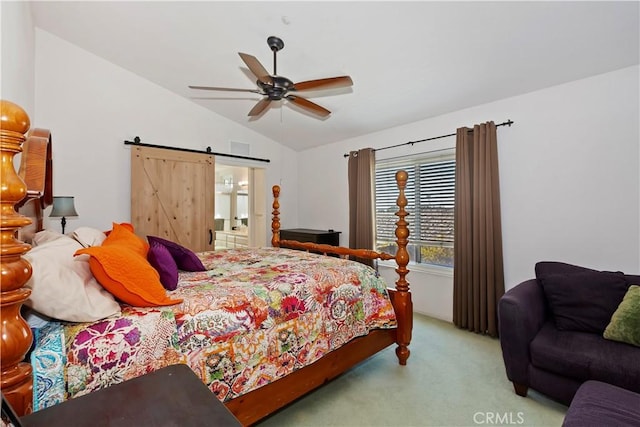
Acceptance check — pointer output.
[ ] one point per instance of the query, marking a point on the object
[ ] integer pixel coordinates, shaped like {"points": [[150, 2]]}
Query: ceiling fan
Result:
{"points": [[275, 87]]}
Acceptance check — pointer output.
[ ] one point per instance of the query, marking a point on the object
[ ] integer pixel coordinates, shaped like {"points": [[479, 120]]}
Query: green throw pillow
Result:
{"points": [[625, 322]]}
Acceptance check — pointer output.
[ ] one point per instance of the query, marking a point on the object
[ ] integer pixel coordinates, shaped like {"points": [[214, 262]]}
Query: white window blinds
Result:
{"points": [[430, 194]]}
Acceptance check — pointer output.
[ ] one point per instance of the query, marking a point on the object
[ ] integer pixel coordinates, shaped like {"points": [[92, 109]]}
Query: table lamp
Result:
{"points": [[63, 207]]}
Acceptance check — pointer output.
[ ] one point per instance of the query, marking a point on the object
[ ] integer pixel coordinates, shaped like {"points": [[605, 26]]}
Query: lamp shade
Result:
{"points": [[63, 206]]}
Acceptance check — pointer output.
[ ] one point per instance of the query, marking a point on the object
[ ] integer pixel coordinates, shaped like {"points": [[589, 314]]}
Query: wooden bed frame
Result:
{"points": [[16, 374]]}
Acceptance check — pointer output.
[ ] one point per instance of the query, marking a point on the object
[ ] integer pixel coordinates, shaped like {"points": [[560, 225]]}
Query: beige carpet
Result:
{"points": [[453, 378]]}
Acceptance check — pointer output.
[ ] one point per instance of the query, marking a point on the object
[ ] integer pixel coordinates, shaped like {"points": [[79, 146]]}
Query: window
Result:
{"points": [[430, 195]]}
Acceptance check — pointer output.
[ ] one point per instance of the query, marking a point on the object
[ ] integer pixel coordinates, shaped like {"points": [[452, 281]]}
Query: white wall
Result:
{"points": [[17, 69], [92, 106], [569, 179]]}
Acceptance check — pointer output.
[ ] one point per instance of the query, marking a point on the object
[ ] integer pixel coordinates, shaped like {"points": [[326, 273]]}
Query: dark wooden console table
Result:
{"points": [[326, 237], [170, 397]]}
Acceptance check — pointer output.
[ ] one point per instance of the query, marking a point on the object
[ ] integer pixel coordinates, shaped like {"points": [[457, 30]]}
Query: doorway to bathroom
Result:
{"points": [[239, 217]]}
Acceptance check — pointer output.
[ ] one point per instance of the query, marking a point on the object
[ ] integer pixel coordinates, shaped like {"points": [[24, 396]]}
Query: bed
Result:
{"points": [[213, 329]]}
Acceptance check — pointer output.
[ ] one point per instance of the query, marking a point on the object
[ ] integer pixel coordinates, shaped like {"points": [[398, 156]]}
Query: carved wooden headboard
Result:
{"points": [[36, 170], [31, 192]]}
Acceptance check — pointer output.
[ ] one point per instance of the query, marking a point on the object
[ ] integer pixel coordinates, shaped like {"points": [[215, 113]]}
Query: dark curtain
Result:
{"points": [[361, 200], [478, 277]]}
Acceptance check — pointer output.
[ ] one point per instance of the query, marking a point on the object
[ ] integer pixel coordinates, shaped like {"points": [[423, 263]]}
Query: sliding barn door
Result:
{"points": [[172, 196]]}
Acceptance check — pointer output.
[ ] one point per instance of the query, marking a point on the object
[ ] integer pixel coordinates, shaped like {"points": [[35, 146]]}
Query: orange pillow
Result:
{"points": [[124, 224], [122, 234], [121, 267]]}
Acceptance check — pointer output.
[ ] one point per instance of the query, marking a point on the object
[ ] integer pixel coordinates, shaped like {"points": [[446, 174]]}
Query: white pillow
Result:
{"points": [[88, 236], [44, 236], [63, 287]]}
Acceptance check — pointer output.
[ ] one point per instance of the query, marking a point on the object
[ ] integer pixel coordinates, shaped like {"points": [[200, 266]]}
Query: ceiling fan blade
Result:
{"points": [[330, 83], [309, 106], [256, 68], [227, 89], [259, 107]]}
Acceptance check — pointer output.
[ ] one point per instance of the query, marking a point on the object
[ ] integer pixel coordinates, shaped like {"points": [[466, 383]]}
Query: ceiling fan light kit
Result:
{"points": [[275, 88]]}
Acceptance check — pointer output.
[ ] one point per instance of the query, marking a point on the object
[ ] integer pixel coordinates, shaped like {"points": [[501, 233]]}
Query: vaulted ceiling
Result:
{"points": [[408, 60]]}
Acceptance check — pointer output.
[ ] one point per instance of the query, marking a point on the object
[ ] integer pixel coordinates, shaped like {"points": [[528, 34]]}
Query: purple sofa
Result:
{"points": [[551, 331]]}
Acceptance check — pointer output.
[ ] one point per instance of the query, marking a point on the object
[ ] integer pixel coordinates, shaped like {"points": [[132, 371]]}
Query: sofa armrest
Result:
{"points": [[521, 313]]}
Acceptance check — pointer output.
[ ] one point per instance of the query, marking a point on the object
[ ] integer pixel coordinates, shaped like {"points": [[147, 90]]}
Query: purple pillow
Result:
{"points": [[160, 258], [584, 301], [185, 259]]}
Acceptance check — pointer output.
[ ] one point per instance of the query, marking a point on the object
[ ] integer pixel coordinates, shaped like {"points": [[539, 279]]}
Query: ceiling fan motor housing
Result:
{"points": [[279, 88]]}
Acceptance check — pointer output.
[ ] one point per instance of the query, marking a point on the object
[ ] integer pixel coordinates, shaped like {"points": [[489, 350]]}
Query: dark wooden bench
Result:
{"points": [[172, 396]]}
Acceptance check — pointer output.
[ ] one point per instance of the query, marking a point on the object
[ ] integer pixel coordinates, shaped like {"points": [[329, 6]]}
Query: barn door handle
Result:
{"points": [[210, 236]]}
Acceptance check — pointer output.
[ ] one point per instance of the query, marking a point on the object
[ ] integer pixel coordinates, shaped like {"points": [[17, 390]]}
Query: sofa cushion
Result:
{"points": [[547, 268], [584, 301], [632, 279], [600, 404], [586, 356]]}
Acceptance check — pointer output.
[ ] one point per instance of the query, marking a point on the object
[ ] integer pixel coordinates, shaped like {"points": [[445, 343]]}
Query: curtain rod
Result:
{"points": [[136, 141], [507, 123]]}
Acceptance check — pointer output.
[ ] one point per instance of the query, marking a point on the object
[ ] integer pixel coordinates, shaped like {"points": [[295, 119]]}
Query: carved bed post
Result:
{"points": [[402, 298], [16, 379], [275, 222]]}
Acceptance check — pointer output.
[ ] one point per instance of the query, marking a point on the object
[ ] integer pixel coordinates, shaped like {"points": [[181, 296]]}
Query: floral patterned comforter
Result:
{"points": [[253, 317]]}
